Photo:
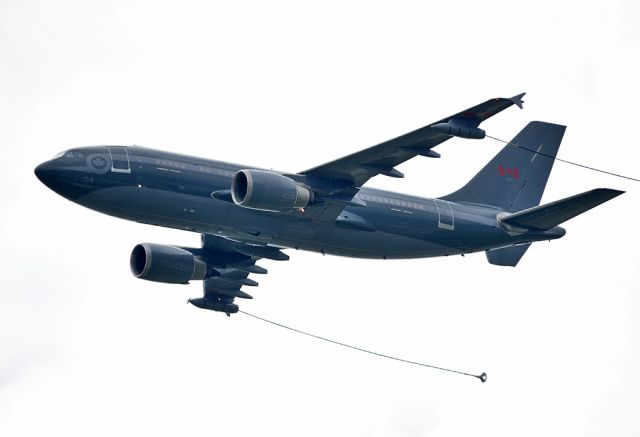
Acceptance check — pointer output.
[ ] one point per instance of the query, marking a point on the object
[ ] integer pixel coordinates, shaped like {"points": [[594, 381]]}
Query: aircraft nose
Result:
{"points": [[44, 172], [64, 178]]}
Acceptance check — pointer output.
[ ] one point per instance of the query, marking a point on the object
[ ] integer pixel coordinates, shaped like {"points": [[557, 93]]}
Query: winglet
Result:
{"points": [[517, 100]]}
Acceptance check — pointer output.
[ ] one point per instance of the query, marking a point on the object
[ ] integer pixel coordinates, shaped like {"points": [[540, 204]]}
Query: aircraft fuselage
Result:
{"points": [[177, 191]]}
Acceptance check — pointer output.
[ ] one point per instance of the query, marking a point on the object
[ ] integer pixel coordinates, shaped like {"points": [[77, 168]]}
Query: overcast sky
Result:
{"points": [[86, 349]]}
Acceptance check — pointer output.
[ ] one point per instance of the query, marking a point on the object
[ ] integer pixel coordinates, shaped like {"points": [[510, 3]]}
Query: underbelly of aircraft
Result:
{"points": [[202, 215]]}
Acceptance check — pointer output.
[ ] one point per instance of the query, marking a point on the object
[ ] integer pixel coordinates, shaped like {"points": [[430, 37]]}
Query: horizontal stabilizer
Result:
{"points": [[547, 216], [507, 256]]}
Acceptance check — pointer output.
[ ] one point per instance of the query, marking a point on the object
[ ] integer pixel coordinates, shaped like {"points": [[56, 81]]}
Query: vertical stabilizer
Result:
{"points": [[515, 178]]}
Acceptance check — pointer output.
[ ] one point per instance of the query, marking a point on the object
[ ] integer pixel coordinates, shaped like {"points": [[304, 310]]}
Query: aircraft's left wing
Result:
{"points": [[230, 264], [359, 167]]}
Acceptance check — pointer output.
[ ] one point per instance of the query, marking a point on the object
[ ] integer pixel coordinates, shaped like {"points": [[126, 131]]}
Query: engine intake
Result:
{"points": [[168, 264], [268, 191]]}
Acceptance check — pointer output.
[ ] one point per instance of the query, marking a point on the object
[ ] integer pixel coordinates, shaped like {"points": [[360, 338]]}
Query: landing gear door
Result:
{"points": [[119, 159]]}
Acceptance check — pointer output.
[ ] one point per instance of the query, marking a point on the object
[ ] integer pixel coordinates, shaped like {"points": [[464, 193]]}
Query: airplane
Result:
{"points": [[247, 213]]}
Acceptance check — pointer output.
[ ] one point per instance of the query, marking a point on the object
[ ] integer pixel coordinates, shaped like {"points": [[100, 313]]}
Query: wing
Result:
{"points": [[230, 264], [356, 169]]}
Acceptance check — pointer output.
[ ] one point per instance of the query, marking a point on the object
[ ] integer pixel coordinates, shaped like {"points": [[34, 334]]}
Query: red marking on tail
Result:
{"points": [[511, 172]]}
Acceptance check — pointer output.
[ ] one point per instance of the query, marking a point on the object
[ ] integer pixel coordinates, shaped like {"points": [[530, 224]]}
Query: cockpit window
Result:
{"points": [[69, 154], [73, 154]]}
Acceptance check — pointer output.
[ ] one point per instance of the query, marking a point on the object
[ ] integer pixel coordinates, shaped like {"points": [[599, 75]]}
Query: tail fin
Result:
{"points": [[515, 178]]}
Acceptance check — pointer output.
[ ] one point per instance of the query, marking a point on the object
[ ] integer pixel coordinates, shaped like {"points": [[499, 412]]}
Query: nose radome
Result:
{"points": [[43, 172], [60, 178]]}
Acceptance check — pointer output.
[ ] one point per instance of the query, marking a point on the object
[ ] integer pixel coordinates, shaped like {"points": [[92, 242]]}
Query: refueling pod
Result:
{"points": [[459, 130], [214, 305]]}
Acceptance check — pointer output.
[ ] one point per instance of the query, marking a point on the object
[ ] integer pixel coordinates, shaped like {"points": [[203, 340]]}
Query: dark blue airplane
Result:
{"points": [[245, 213]]}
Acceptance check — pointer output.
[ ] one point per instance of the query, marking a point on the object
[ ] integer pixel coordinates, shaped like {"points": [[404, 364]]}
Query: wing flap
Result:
{"points": [[231, 263]]}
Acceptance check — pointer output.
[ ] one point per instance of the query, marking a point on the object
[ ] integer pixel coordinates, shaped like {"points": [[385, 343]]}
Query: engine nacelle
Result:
{"points": [[268, 191], [169, 264]]}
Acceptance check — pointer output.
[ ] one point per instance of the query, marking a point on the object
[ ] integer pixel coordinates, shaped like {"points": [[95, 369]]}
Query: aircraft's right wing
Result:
{"points": [[231, 262]]}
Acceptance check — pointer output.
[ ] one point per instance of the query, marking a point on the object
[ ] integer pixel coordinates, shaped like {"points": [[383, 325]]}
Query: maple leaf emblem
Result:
{"points": [[99, 162]]}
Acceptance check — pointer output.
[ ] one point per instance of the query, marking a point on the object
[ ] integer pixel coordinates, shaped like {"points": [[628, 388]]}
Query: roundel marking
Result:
{"points": [[98, 163]]}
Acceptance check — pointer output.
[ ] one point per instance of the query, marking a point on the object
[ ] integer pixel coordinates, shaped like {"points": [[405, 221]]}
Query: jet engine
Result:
{"points": [[169, 264], [268, 191]]}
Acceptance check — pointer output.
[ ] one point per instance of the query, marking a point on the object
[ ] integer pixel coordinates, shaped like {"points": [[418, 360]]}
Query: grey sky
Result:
{"points": [[86, 349]]}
